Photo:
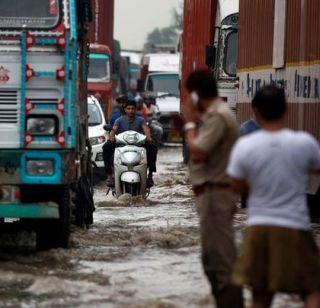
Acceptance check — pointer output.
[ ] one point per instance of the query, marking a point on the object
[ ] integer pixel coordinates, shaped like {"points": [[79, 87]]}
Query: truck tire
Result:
{"points": [[84, 203], [54, 233]]}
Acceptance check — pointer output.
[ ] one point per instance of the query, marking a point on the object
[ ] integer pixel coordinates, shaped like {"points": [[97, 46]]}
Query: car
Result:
{"points": [[97, 133]]}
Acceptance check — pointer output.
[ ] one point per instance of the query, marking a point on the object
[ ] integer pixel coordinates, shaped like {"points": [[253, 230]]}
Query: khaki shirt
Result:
{"points": [[217, 133]]}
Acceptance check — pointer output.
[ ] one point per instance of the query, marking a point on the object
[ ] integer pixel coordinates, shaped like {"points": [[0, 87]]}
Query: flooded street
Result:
{"points": [[138, 253]]}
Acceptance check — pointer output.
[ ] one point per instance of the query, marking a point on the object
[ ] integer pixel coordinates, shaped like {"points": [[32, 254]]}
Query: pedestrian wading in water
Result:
{"points": [[210, 132], [273, 164]]}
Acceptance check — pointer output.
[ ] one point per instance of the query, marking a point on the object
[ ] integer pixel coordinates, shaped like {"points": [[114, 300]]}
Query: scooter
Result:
{"points": [[130, 165]]}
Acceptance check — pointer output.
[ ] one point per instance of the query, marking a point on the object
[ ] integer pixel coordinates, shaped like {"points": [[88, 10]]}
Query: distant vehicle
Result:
{"points": [[97, 134], [99, 79], [160, 76], [134, 59]]}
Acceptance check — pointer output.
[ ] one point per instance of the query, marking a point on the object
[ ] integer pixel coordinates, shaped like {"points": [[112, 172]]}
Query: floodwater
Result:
{"points": [[138, 253]]}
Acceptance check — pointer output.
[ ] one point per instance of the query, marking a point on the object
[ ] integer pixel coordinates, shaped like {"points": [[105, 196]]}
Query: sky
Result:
{"points": [[134, 19]]}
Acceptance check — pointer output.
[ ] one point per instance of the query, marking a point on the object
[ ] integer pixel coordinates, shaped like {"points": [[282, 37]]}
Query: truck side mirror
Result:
{"points": [[211, 51], [140, 85]]}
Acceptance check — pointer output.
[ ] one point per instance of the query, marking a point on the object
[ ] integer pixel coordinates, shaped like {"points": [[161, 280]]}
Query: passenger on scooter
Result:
{"points": [[129, 121], [119, 109]]}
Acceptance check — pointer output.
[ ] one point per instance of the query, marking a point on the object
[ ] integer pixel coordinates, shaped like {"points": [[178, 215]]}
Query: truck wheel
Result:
{"points": [[54, 233], [84, 203]]}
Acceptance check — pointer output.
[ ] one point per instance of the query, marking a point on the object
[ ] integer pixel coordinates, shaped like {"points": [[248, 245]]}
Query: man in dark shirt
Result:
{"points": [[129, 121]]}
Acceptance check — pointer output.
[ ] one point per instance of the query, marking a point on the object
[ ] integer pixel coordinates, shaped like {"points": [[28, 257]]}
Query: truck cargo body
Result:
{"points": [[279, 44], [198, 31], [102, 27]]}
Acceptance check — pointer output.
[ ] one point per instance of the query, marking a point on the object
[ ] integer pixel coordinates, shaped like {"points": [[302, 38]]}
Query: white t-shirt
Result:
{"points": [[276, 166]]}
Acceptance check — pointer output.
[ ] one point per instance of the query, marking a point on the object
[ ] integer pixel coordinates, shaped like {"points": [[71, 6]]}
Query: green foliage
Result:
{"points": [[165, 38]]}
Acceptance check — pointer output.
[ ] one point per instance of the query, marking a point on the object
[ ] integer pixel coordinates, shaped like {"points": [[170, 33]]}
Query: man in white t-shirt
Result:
{"points": [[273, 165]]}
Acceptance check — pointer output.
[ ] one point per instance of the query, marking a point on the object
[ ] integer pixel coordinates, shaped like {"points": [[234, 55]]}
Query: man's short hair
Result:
{"points": [[130, 102], [270, 102], [203, 82], [121, 99]]}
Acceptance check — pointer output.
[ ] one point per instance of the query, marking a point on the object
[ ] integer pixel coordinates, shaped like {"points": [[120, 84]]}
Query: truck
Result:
{"points": [[159, 76], [45, 160], [211, 42], [282, 49], [100, 34], [99, 78]]}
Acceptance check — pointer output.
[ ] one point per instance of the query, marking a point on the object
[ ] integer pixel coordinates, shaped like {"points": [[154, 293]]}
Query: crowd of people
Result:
{"points": [[268, 167]]}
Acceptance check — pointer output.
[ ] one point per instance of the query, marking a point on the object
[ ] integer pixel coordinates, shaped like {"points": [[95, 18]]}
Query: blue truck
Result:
{"points": [[45, 156]]}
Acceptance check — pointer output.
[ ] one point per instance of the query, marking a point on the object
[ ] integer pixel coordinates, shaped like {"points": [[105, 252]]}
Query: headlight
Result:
{"points": [[97, 140], [131, 138], [42, 126], [40, 167], [130, 158]]}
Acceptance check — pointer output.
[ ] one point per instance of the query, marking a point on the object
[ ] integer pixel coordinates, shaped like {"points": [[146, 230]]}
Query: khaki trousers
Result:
{"points": [[216, 209]]}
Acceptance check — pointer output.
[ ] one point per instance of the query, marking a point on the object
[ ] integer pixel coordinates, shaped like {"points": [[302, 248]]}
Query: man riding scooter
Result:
{"points": [[129, 121]]}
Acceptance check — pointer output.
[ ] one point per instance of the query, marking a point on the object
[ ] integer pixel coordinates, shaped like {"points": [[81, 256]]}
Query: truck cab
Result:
{"points": [[99, 77], [160, 77], [224, 51]]}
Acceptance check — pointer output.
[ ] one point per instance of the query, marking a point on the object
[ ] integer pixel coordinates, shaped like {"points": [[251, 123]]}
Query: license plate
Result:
{"points": [[9, 194]]}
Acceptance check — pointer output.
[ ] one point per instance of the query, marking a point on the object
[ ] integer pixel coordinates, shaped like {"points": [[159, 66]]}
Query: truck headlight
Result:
{"points": [[42, 126], [40, 167], [97, 140]]}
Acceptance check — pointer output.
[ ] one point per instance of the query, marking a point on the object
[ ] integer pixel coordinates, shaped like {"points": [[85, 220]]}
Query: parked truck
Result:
{"points": [[100, 36], [99, 78], [211, 41], [45, 164], [282, 49], [159, 76]]}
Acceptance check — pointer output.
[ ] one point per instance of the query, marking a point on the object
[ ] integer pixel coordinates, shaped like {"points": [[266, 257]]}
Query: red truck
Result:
{"points": [[99, 79], [101, 43]]}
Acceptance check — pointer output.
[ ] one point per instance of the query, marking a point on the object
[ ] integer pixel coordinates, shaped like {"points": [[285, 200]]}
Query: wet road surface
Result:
{"points": [[138, 253]]}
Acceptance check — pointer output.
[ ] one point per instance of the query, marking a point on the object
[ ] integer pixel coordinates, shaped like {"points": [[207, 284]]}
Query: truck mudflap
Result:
{"points": [[29, 210]]}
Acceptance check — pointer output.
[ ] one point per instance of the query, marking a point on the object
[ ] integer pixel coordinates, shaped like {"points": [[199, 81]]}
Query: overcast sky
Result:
{"points": [[134, 19]]}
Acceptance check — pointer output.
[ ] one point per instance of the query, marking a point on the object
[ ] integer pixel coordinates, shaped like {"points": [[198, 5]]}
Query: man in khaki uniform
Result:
{"points": [[211, 130]]}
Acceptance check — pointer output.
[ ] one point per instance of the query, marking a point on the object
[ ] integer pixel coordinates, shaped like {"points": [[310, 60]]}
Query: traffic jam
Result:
{"points": [[182, 171]]}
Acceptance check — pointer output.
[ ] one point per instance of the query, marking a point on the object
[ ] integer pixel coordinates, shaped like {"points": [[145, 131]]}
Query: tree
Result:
{"points": [[165, 37]]}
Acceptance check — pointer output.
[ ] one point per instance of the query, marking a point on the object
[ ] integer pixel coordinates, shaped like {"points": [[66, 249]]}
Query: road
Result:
{"points": [[138, 253]]}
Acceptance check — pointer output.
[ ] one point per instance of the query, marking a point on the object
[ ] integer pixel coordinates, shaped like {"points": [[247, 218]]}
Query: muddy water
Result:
{"points": [[139, 253]]}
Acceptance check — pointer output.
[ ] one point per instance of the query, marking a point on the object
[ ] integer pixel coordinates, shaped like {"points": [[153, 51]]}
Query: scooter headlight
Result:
{"points": [[130, 158]]}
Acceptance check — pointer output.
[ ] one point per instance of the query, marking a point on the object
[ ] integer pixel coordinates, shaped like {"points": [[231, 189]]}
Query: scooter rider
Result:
{"points": [[129, 121]]}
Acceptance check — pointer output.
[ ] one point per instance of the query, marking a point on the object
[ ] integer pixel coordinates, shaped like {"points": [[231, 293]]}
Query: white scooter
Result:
{"points": [[130, 165]]}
